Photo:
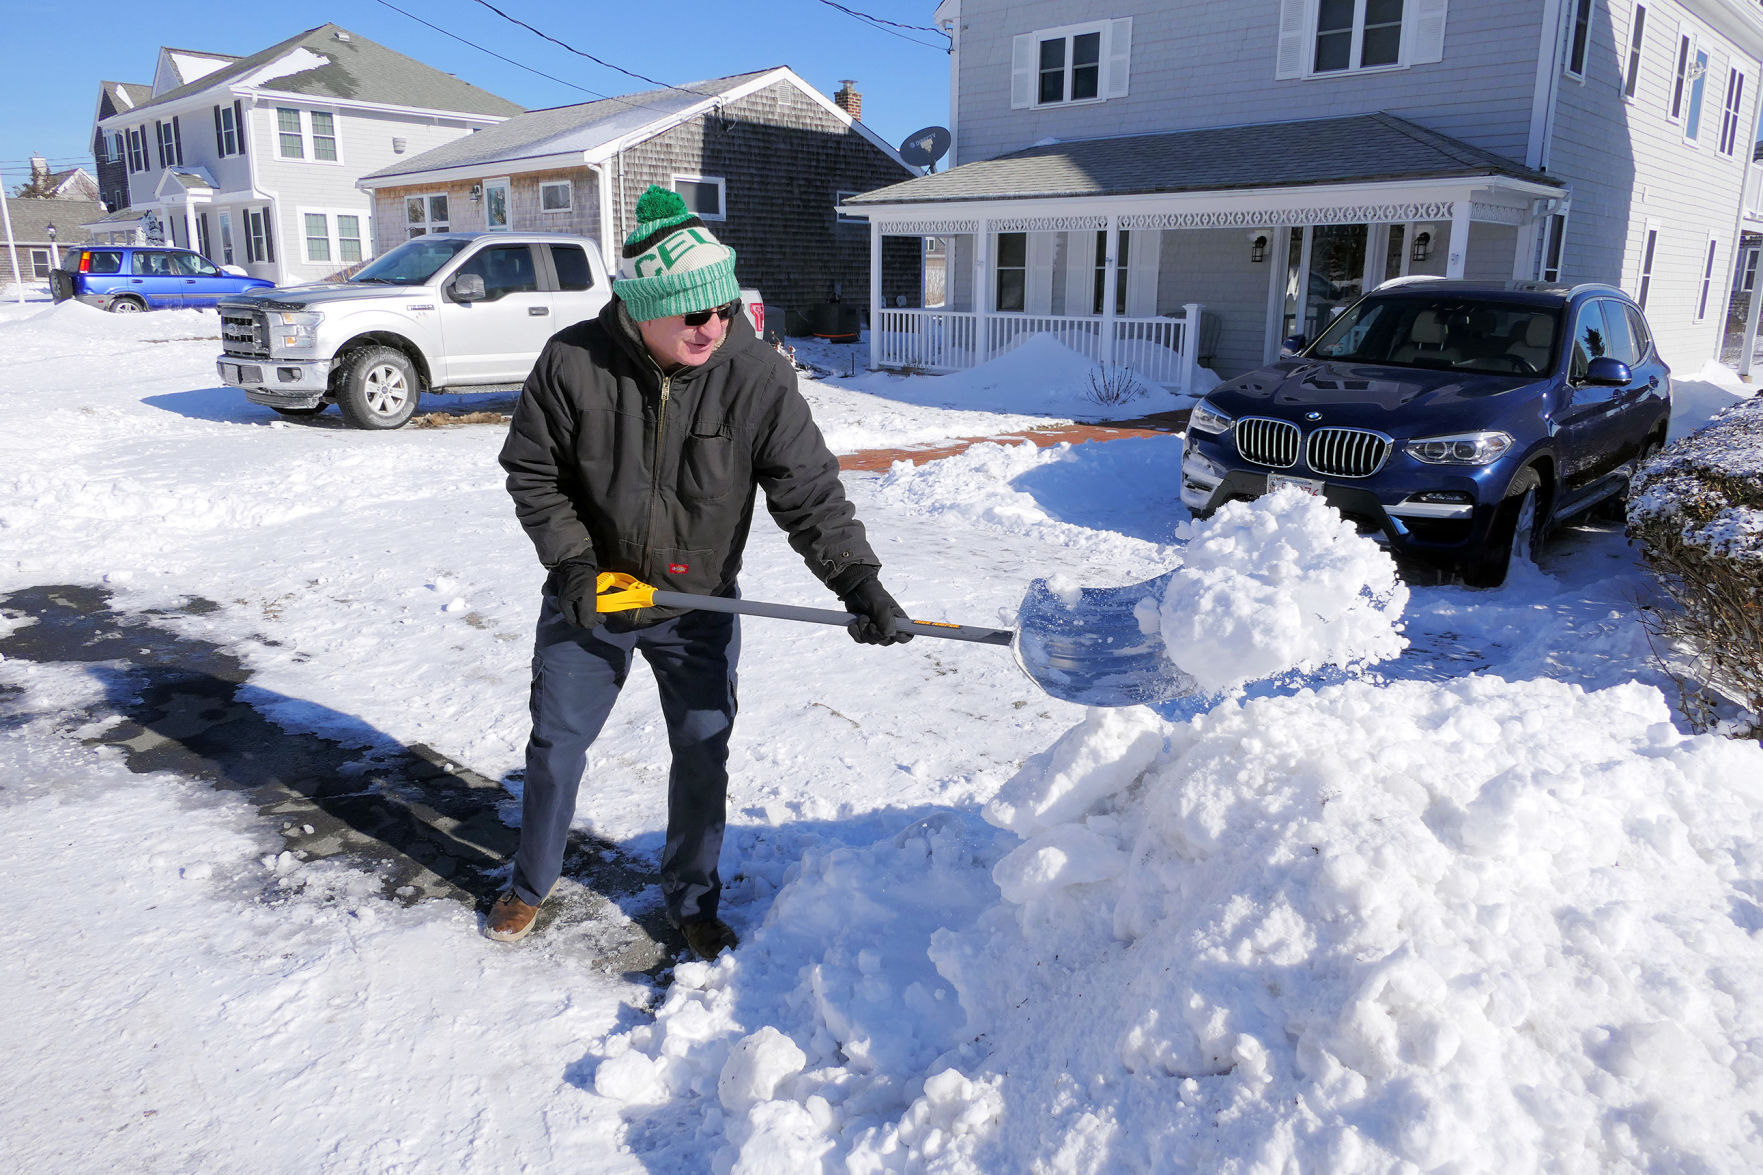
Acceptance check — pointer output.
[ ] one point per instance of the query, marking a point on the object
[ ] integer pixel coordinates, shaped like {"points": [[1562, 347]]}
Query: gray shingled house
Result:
{"points": [[763, 157], [1180, 183], [35, 247]]}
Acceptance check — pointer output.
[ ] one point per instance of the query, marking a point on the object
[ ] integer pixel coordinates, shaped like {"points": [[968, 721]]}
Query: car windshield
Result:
{"points": [[412, 263], [1479, 335]]}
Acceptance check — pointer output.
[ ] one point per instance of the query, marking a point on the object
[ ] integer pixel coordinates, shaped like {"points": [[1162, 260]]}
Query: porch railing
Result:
{"points": [[1159, 350]]}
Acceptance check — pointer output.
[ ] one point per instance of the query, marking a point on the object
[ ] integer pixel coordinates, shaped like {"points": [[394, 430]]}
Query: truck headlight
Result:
{"points": [[295, 329], [1208, 419], [1465, 448]]}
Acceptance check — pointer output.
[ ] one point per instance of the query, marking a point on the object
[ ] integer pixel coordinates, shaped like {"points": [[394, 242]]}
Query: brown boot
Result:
{"points": [[510, 918], [709, 937]]}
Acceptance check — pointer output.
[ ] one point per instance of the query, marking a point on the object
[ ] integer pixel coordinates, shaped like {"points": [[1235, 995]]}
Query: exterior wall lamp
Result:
{"points": [[1422, 246], [1257, 247], [477, 193]]}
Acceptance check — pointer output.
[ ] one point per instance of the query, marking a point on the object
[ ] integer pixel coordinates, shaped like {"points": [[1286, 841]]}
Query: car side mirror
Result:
{"points": [[1292, 344], [1606, 372], [468, 287]]}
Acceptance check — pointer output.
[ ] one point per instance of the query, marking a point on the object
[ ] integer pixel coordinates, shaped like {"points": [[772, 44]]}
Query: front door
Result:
{"points": [[494, 341]]}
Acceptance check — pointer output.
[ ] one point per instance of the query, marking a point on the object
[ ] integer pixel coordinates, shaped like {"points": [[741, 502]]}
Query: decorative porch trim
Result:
{"points": [[927, 228], [1265, 217], [1497, 213], [1047, 224]]}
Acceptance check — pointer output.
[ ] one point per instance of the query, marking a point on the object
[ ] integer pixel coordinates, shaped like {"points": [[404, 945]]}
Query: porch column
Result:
{"points": [[1750, 343], [1459, 237], [1110, 282], [1190, 345], [190, 226], [982, 294], [875, 292]]}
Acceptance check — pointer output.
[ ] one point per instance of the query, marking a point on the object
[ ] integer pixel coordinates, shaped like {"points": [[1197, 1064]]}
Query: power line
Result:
{"points": [[879, 25], [584, 53]]}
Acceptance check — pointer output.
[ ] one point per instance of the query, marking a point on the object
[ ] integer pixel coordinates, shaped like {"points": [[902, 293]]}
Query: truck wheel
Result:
{"points": [[126, 306], [379, 388], [1517, 532]]}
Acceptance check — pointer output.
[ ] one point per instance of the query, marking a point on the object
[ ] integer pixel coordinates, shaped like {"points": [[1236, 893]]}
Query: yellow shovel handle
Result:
{"points": [[616, 591]]}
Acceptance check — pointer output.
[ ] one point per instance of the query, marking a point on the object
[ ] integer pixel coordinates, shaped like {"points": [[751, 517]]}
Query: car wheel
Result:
{"points": [[379, 388], [126, 306], [1517, 532]]}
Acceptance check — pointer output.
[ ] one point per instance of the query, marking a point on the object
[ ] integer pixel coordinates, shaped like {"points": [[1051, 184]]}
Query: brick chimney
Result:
{"points": [[848, 99]]}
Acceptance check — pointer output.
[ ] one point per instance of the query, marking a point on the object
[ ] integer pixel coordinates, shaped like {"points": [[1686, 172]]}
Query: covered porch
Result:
{"points": [[1161, 253]]}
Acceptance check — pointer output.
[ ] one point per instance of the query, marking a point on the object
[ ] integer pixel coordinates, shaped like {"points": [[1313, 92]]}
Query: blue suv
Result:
{"points": [[1456, 421], [126, 279]]}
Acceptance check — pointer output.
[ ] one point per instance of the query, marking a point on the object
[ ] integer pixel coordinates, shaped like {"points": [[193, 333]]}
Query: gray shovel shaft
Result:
{"points": [[953, 632]]}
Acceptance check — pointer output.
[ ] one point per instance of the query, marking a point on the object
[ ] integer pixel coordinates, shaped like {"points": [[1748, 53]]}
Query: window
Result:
{"points": [[318, 236], [117, 151], [1357, 34], [226, 131], [1649, 245], [138, 149], [506, 269], [1012, 271], [348, 238], [40, 264], [102, 261], [1636, 38], [324, 136], [1618, 340], [1729, 118], [571, 263], [1554, 237], [703, 194], [1692, 122], [1707, 280], [1590, 340], [1582, 30], [1748, 275], [259, 236], [192, 265], [1637, 327], [171, 143], [555, 196], [226, 238], [425, 214], [1101, 277], [1072, 63], [290, 143], [495, 197]]}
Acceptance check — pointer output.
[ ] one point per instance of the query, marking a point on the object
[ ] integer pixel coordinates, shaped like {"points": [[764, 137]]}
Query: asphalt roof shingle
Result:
{"points": [[1352, 149]]}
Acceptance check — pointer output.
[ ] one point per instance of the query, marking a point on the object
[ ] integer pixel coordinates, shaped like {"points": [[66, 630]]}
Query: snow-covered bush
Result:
{"points": [[1113, 383], [1697, 512]]}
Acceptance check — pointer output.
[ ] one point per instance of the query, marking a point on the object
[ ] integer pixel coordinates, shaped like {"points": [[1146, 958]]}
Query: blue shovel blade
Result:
{"points": [[1093, 650]]}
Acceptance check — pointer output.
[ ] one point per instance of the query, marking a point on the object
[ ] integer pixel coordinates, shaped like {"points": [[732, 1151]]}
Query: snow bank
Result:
{"points": [[1484, 926], [71, 321], [1279, 584]]}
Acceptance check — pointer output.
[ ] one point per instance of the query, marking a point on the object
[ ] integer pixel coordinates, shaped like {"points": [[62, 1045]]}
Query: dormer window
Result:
{"points": [[1071, 64]]}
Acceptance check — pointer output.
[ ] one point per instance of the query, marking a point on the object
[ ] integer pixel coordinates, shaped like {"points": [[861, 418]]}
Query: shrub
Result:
{"points": [[1111, 384], [1696, 510]]}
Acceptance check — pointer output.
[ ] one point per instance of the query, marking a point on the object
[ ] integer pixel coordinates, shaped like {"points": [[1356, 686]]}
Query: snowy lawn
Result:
{"points": [[1486, 908]]}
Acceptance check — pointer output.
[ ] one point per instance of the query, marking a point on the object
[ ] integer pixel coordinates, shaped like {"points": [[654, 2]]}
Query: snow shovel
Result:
{"points": [[1089, 649]]}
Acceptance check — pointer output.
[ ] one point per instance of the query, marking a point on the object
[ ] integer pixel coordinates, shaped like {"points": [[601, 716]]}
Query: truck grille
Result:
{"points": [[1267, 442], [1346, 452], [243, 333]]}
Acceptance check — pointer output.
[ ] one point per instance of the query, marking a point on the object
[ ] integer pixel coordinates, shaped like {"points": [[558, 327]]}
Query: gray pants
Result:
{"points": [[577, 674]]}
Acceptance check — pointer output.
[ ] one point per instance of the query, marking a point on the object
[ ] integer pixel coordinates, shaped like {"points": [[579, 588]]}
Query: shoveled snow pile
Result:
{"points": [[1488, 926], [1279, 584]]}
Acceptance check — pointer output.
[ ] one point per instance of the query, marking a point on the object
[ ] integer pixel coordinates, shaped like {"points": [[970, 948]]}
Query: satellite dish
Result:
{"points": [[923, 148]]}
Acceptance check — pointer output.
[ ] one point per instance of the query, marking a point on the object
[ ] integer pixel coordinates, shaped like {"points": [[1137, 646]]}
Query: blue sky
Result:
{"points": [[59, 52]]}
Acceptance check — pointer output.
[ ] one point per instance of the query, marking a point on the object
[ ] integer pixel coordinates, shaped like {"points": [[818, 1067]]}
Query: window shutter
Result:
{"points": [[219, 139], [159, 140], [1141, 274], [1080, 270], [239, 125], [1022, 72], [177, 140], [268, 237], [1428, 32], [1041, 248], [1119, 57], [1294, 35]]}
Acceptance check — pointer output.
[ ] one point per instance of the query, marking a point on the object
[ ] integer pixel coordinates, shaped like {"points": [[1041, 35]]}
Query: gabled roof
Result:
{"points": [[189, 65], [587, 131], [126, 96], [31, 219], [1357, 148], [352, 68]]}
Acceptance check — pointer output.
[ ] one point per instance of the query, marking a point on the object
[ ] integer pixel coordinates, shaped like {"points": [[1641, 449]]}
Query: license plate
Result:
{"points": [[1308, 485]]}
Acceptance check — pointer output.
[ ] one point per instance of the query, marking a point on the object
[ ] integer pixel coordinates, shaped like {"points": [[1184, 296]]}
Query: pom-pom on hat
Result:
{"points": [[672, 264]]}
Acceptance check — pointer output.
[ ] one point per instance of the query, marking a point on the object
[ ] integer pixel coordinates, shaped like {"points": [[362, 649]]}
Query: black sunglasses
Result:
{"points": [[700, 317]]}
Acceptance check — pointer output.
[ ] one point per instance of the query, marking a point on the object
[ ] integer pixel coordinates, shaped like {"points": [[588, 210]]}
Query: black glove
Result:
{"points": [[573, 583], [879, 619]]}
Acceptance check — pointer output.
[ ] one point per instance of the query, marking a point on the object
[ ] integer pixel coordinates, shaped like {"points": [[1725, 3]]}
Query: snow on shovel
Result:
{"points": [[1089, 649]]}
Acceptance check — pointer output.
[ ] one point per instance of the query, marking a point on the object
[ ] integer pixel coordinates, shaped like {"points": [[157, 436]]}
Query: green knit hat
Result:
{"points": [[671, 264]]}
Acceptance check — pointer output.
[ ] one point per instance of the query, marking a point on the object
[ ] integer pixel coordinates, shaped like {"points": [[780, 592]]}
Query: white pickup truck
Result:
{"points": [[452, 312]]}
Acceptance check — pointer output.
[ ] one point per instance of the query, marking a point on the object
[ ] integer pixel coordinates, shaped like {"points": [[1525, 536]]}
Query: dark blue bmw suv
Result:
{"points": [[1456, 421]]}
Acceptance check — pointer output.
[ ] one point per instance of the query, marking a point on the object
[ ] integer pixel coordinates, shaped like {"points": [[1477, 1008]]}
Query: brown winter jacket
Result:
{"points": [[656, 475]]}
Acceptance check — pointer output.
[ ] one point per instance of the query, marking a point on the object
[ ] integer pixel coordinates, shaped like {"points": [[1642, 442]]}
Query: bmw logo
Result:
{"points": [[1312, 416]]}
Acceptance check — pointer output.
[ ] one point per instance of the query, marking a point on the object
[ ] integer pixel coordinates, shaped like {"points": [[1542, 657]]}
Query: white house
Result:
{"points": [[1178, 182], [253, 161]]}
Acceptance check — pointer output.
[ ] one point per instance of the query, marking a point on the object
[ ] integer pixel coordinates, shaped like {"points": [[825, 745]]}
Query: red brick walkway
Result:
{"points": [[1160, 424]]}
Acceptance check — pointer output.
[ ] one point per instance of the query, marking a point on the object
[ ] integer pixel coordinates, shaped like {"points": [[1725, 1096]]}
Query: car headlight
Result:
{"points": [[1207, 418], [1465, 448]]}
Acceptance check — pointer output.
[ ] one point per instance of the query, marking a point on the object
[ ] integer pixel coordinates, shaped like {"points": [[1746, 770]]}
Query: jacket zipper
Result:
{"points": [[655, 465]]}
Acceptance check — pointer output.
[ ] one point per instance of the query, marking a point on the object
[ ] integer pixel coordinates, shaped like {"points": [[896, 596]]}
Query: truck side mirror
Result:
{"points": [[468, 287]]}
